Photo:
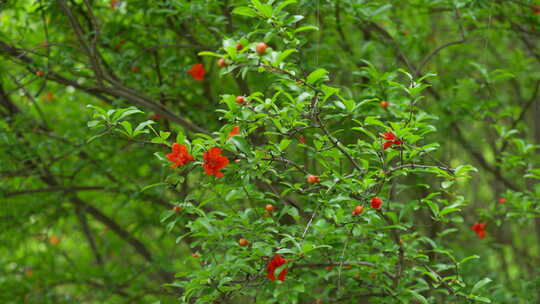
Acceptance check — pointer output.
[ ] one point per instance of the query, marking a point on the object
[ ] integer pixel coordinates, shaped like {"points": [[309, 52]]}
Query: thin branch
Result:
{"points": [[337, 143], [288, 162], [81, 217], [326, 264], [480, 158], [343, 42], [54, 189], [79, 32], [435, 52], [352, 263], [120, 91], [523, 112], [416, 166]]}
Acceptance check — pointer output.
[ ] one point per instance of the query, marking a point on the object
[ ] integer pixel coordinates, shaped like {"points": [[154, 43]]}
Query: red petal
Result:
{"points": [[274, 263], [389, 136], [197, 71], [270, 270], [282, 275], [171, 156], [235, 130]]}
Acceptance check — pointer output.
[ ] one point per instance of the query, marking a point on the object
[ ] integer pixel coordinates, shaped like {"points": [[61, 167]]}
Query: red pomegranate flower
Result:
{"points": [[179, 155], [197, 72], [376, 203], [502, 200], [273, 264], [479, 229], [388, 136], [235, 131], [214, 162], [391, 139]]}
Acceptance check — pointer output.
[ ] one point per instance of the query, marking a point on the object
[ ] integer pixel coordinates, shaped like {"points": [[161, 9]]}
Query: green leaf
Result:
{"points": [[419, 297], [97, 109], [180, 137], [480, 284], [307, 247], [371, 120], [207, 53], [140, 128], [433, 206], [284, 144], [93, 123], [244, 11], [472, 257], [349, 104], [365, 131], [447, 184], [479, 299], [328, 91], [123, 113], [282, 5], [316, 76], [158, 140], [447, 210], [166, 215], [241, 144], [180, 238], [306, 28], [152, 186], [264, 9], [286, 251], [164, 135], [463, 171], [91, 139], [127, 126], [452, 208], [299, 287], [284, 55]]}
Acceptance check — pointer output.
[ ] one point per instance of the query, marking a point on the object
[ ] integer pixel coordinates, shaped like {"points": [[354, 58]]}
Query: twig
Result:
{"points": [[88, 234], [435, 51], [54, 189], [416, 166], [321, 265], [336, 143], [523, 112]]}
